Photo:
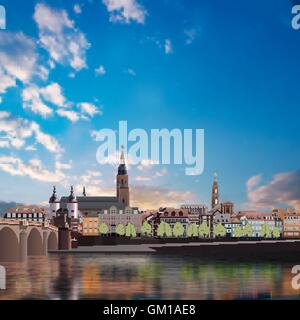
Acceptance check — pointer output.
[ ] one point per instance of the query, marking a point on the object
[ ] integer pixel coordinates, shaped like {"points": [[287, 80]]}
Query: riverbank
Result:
{"points": [[283, 250]]}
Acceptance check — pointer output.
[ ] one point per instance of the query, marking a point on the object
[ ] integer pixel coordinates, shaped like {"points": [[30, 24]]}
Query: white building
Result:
{"points": [[257, 220]]}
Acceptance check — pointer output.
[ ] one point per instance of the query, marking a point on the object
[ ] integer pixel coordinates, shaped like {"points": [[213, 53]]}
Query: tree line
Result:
{"points": [[166, 230]]}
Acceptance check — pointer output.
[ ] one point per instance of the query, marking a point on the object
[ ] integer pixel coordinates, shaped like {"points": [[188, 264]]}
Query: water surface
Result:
{"points": [[142, 276]]}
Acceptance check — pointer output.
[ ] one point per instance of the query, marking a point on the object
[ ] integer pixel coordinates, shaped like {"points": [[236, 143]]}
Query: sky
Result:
{"points": [[71, 68]]}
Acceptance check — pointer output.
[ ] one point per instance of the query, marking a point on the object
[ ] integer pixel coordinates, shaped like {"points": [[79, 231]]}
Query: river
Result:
{"points": [[145, 276]]}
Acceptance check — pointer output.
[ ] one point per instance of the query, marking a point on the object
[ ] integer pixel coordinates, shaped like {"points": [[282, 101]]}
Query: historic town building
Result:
{"points": [[198, 214], [94, 210], [290, 220], [257, 220], [170, 216], [30, 213]]}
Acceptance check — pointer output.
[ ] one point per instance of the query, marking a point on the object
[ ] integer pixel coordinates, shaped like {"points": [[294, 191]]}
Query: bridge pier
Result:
{"points": [[64, 239], [45, 243], [23, 246]]}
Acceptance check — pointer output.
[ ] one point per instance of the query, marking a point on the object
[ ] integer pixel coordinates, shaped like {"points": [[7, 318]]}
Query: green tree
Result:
{"points": [[238, 232], [120, 230], [103, 228], [146, 229], [203, 230], [193, 230], [248, 230], [164, 230], [265, 231], [276, 233], [178, 229], [220, 230], [130, 230]]}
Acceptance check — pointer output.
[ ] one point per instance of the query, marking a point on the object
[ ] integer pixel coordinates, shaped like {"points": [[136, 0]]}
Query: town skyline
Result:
{"points": [[199, 71]]}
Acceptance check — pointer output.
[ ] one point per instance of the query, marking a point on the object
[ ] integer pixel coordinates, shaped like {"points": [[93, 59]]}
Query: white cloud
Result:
{"points": [[35, 98], [16, 131], [53, 94], [125, 11], [33, 169], [100, 70], [168, 46], [77, 9], [18, 60], [89, 109], [69, 114], [32, 100], [59, 36], [283, 189]]}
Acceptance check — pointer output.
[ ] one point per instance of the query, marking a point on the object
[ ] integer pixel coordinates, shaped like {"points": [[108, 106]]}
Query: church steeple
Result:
{"points": [[122, 181], [215, 193], [83, 191], [122, 170]]}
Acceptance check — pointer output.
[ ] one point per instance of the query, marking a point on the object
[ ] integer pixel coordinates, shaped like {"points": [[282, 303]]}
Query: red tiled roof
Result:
{"points": [[27, 209], [254, 215]]}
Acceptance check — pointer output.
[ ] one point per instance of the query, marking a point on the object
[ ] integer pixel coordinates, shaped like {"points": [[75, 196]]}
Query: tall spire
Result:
{"points": [[83, 191], [122, 157], [215, 193], [122, 166]]}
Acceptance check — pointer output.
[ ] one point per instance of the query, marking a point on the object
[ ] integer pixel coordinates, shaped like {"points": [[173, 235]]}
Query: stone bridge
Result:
{"points": [[20, 239]]}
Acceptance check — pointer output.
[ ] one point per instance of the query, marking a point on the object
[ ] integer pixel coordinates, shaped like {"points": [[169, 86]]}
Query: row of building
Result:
{"points": [[84, 214]]}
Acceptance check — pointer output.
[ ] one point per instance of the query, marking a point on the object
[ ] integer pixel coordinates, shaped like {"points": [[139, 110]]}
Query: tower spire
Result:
{"points": [[122, 157], [122, 181], [215, 193], [83, 191]]}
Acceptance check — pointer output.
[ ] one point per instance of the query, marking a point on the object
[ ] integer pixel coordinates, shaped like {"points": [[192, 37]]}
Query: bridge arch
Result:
{"points": [[9, 245], [52, 241], [35, 243]]}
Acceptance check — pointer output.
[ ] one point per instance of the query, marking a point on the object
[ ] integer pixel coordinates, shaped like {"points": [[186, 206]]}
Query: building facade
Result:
{"points": [[257, 220], [171, 216], [198, 214], [29, 213], [290, 222], [115, 215]]}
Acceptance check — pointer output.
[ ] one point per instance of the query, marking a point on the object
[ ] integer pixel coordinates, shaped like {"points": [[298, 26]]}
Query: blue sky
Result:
{"points": [[229, 67]]}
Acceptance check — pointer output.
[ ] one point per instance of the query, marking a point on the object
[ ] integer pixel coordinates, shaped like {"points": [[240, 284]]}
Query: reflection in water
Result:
{"points": [[145, 277]]}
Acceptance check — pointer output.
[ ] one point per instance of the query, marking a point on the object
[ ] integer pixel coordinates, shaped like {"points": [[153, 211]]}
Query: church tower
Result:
{"points": [[54, 203], [122, 182], [72, 205], [215, 193]]}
